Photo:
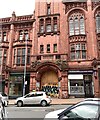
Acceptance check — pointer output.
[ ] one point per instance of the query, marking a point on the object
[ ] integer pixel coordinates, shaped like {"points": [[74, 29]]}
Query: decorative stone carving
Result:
{"points": [[62, 64], [35, 64], [94, 4], [71, 5], [94, 63]]}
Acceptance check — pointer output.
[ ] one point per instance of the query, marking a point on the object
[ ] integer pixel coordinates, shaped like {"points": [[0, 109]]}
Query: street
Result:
{"points": [[31, 111]]}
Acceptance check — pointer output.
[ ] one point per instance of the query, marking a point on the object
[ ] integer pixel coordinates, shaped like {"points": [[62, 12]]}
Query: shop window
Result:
{"points": [[76, 87], [48, 48], [48, 9], [4, 36], [15, 86], [76, 24], [55, 48], [98, 23], [48, 25], [78, 51], [41, 48]]}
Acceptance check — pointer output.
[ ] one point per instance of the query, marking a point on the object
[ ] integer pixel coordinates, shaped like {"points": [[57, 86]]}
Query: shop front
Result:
{"points": [[80, 83], [16, 83]]}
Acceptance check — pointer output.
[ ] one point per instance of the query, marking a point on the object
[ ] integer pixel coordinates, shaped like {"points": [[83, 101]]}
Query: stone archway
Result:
{"points": [[47, 78]]}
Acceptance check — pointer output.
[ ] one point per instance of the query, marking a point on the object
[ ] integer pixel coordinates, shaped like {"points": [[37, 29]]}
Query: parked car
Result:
{"points": [[5, 98], [84, 110], [37, 97]]}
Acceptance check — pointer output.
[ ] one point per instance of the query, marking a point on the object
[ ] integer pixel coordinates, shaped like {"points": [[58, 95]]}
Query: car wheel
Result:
{"points": [[19, 103], [43, 103]]}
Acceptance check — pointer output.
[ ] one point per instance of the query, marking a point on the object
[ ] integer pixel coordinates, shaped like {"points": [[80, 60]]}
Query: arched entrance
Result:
{"points": [[47, 79], [49, 83]]}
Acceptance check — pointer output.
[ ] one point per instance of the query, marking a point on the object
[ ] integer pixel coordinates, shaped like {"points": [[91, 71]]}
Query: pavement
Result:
{"points": [[57, 101]]}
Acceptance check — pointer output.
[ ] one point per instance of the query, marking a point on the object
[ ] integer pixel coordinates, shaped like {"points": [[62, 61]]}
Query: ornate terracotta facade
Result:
{"points": [[55, 49]]}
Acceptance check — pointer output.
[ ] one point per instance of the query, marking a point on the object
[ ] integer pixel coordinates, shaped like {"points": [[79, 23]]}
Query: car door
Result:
{"points": [[29, 99], [38, 97]]}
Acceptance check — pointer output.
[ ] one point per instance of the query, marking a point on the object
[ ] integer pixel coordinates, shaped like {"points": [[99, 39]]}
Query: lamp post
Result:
{"points": [[25, 67]]}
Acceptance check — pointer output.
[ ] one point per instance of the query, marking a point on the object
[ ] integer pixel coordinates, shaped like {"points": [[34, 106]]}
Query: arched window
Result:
{"points": [[4, 36], [21, 35], [76, 24], [26, 35], [98, 23], [48, 9]]}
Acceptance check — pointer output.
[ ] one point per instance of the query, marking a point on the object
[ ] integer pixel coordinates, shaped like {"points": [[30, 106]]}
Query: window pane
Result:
{"points": [[71, 27], [78, 46], [23, 51], [55, 27], [41, 48], [55, 48], [23, 59], [83, 54], [41, 28], [98, 23], [82, 28], [83, 47], [48, 28], [21, 35], [18, 60], [28, 59], [72, 55], [19, 52], [76, 24], [48, 48], [77, 55], [48, 9], [4, 36]]}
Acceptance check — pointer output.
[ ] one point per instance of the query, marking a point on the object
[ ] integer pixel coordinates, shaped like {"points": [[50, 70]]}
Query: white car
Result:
{"points": [[37, 97], [53, 115], [84, 110]]}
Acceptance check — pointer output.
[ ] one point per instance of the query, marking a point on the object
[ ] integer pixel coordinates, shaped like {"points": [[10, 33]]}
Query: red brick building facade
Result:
{"points": [[56, 49]]}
